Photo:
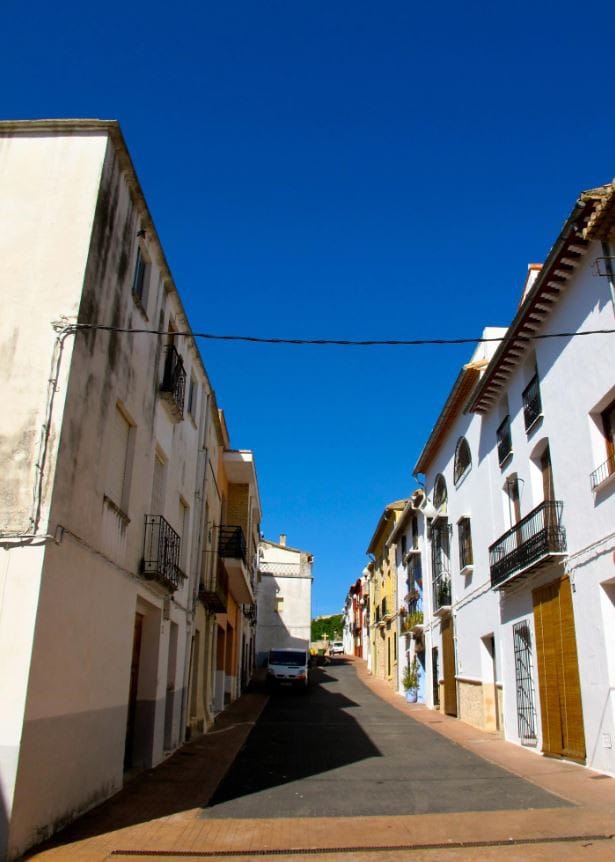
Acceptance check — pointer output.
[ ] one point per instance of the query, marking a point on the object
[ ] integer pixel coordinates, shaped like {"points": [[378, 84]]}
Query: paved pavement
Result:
{"points": [[163, 814]]}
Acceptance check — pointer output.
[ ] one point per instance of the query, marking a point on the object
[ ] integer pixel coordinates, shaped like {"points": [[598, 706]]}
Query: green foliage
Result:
{"points": [[331, 627], [410, 679]]}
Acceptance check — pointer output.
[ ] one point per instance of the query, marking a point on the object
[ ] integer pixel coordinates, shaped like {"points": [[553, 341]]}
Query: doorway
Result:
{"points": [[558, 671]]}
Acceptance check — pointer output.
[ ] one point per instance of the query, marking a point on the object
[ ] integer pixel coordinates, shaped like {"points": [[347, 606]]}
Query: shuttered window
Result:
{"points": [[116, 484]]}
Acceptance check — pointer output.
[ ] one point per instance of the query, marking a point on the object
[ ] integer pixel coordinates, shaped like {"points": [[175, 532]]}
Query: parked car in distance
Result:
{"points": [[288, 667], [336, 648]]}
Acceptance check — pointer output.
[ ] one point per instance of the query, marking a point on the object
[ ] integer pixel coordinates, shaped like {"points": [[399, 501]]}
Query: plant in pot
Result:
{"points": [[410, 680]]}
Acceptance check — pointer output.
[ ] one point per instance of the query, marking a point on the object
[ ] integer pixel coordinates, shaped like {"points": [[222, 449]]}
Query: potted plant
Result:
{"points": [[410, 680]]}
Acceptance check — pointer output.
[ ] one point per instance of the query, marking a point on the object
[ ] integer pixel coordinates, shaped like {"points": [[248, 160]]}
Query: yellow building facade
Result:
{"points": [[383, 596]]}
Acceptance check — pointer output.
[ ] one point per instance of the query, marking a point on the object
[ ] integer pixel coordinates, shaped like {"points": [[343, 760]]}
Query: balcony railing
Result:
{"points": [[602, 472], [531, 542], [213, 590], [504, 440], [173, 386], [161, 550], [532, 405], [232, 543]]}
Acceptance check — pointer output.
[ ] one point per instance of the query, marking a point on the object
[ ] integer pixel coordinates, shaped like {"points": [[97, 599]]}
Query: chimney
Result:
{"points": [[283, 539]]}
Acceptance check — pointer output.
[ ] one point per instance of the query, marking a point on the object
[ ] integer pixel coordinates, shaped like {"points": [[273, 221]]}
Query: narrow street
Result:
{"points": [[340, 751], [347, 770]]}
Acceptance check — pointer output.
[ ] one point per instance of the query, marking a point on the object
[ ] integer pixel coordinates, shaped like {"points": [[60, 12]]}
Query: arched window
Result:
{"points": [[440, 495], [463, 459]]}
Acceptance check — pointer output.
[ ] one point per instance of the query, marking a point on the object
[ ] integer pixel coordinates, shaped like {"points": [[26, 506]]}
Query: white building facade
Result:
{"points": [[519, 512], [284, 598]]}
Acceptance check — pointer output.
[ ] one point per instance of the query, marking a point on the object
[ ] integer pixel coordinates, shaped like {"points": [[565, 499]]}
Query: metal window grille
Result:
{"points": [[532, 406], [440, 560], [463, 459], [524, 676], [466, 557], [504, 439], [173, 384]]}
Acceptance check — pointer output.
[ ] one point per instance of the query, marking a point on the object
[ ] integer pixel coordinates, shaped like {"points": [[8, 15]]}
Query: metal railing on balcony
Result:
{"points": [[532, 405], [531, 541], [232, 543], [173, 386], [602, 472], [442, 592], [213, 590], [504, 439], [161, 550]]}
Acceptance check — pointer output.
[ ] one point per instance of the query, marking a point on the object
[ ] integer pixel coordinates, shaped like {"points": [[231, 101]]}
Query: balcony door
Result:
{"points": [[558, 671]]}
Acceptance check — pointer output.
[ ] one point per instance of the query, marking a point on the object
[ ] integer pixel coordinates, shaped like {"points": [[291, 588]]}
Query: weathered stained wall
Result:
{"points": [[49, 191]]}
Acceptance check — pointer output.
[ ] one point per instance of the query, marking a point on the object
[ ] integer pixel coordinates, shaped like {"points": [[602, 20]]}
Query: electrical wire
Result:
{"points": [[339, 342]]}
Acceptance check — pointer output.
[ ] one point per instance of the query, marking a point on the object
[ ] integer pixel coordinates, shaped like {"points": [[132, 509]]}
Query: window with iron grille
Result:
{"points": [[504, 439], [532, 406], [466, 557], [524, 673], [440, 494], [440, 563], [463, 459]]}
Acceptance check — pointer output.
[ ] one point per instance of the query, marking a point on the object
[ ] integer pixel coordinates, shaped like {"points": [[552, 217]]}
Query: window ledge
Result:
{"points": [[604, 484], [463, 476], [535, 424], [115, 508], [506, 460], [140, 306], [467, 570]]}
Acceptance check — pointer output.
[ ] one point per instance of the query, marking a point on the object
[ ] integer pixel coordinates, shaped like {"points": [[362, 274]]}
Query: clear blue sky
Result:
{"points": [[336, 168]]}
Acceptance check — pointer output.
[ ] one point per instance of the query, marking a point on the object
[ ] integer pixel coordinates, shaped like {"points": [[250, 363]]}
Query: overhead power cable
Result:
{"points": [[340, 342]]}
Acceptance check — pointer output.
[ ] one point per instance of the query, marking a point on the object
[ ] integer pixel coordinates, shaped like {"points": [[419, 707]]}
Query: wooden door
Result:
{"points": [[558, 671], [448, 667], [134, 688]]}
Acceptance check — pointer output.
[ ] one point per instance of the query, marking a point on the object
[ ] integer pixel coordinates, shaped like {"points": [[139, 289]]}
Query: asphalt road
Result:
{"points": [[338, 750]]}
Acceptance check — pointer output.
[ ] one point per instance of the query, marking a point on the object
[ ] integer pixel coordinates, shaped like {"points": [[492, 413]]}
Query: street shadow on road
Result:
{"points": [[298, 735]]}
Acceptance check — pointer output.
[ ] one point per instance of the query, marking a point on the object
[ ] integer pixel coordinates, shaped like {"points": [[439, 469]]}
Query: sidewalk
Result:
{"points": [[157, 815]]}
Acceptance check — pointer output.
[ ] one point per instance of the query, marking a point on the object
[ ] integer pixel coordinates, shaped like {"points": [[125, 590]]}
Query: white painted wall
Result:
{"points": [[285, 573]]}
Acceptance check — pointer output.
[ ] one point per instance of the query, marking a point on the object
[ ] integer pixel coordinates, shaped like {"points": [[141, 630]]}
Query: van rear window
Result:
{"points": [[288, 657]]}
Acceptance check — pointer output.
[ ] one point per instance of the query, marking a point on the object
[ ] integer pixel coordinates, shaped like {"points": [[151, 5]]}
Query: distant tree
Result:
{"points": [[327, 627]]}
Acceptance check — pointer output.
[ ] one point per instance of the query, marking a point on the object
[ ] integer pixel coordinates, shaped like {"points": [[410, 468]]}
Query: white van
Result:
{"points": [[288, 667]]}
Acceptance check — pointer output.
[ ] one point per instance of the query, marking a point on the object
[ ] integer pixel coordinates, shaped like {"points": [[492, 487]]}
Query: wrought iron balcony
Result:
{"points": [[532, 542], [232, 543], [161, 549], [532, 405], [213, 590], [173, 386], [602, 472]]}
